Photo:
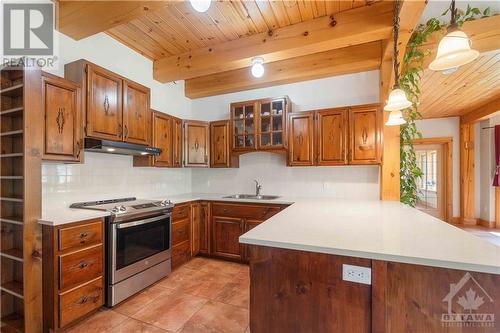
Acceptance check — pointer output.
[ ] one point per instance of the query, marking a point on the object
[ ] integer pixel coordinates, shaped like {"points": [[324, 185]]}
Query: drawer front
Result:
{"points": [[181, 254], [180, 232], [79, 302], [81, 235], [181, 212], [245, 211], [78, 267]]}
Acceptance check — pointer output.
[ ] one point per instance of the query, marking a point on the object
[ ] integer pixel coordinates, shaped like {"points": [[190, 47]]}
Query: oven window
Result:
{"points": [[139, 242]]}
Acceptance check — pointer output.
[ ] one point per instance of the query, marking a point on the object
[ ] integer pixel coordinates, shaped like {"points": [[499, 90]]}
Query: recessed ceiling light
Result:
{"points": [[258, 67], [200, 5]]}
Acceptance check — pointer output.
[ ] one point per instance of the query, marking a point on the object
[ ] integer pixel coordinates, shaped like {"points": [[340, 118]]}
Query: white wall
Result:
{"points": [[446, 127], [102, 175], [270, 169]]}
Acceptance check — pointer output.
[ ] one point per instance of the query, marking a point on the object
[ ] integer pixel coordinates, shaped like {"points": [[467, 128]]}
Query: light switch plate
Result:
{"points": [[357, 274]]}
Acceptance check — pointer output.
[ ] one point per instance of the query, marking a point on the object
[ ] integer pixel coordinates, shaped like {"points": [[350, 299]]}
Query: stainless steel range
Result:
{"points": [[138, 244]]}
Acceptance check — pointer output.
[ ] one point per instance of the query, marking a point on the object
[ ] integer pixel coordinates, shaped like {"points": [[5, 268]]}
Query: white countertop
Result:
{"points": [[380, 230]]}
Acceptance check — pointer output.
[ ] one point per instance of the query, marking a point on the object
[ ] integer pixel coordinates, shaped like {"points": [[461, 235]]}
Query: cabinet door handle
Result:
{"points": [[365, 135], [60, 120], [196, 145], [106, 104], [125, 132], [120, 130], [83, 264], [78, 149]]}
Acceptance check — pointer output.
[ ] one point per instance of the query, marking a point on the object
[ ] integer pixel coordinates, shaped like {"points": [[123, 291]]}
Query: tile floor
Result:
{"points": [[202, 296]]}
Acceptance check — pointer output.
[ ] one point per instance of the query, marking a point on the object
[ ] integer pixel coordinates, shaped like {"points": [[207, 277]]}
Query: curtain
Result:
{"points": [[497, 156]]}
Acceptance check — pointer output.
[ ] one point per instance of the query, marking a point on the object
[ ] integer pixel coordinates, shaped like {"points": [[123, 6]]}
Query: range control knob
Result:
{"points": [[165, 203], [122, 208]]}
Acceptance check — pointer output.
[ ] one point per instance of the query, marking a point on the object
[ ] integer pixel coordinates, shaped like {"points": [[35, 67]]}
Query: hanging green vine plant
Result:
{"points": [[410, 77]]}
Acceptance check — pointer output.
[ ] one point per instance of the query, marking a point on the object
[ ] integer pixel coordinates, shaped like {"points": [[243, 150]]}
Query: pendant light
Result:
{"points": [[200, 5], [397, 100], [454, 49]]}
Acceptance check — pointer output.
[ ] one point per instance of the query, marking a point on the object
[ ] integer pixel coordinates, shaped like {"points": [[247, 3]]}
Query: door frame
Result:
{"points": [[447, 143]]}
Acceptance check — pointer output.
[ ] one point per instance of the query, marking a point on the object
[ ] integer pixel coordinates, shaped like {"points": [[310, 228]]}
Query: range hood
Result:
{"points": [[120, 148]]}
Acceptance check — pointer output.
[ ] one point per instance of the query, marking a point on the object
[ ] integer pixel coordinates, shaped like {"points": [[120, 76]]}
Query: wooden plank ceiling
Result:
{"points": [[177, 28], [456, 94]]}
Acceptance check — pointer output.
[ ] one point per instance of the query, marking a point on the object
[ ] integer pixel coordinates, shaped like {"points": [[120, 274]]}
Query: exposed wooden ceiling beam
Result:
{"points": [[352, 27], [484, 34], [351, 59], [483, 112], [80, 19]]}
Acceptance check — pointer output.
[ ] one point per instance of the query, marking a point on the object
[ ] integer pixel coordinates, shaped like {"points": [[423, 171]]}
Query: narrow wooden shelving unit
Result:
{"points": [[20, 200]]}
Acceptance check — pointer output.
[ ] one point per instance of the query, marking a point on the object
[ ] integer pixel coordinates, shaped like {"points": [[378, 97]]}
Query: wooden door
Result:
{"points": [[63, 126], [331, 129], [364, 132], [104, 104], [226, 233], [136, 113], [271, 118], [244, 126], [196, 139], [249, 225], [163, 139], [219, 144], [195, 228], [205, 228], [301, 139], [177, 142]]}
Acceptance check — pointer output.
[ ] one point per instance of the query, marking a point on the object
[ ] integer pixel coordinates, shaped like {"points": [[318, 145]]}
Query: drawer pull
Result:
{"points": [[83, 300], [83, 264], [181, 232], [83, 235]]}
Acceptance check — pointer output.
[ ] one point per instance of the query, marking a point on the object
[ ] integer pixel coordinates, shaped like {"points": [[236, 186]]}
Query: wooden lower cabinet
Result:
{"points": [[73, 272], [226, 231], [248, 225], [200, 228], [181, 234]]}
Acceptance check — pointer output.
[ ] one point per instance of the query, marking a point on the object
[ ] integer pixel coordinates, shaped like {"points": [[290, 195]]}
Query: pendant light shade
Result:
{"points": [[200, 6], [453, 51], [395, 118], [397, 101]]}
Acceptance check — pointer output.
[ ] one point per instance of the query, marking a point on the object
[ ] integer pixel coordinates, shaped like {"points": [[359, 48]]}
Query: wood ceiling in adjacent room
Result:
{"points": [[178, 28]]}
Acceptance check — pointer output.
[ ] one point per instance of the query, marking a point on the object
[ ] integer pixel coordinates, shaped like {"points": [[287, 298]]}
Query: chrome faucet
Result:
{"points": [[258, 188]]}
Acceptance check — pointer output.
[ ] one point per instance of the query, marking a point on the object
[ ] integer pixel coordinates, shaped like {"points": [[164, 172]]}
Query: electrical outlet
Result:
{"points": [[357, 274]]}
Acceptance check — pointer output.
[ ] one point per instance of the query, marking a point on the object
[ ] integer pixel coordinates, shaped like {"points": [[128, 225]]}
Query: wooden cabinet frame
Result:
{"points": [[228, 160], [187, 150], [145, 138], [321, 159]]}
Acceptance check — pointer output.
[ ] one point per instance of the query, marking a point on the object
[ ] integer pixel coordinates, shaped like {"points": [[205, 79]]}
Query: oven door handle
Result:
{"points": [[141, 222]]}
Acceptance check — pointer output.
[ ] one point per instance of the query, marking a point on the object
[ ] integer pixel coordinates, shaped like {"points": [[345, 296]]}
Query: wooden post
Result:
{"points": [[467, 204]]}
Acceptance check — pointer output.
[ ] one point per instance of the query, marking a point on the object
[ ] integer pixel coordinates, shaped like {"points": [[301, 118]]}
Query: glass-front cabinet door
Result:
{"points": [[272, 123], [243, 116]]}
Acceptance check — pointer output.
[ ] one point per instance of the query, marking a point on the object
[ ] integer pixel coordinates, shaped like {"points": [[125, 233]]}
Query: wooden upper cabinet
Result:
{"points": [[116, 108], [196, 143], [220, 146], [243, 125], [63, 137], [271, 118], [104, 104], [331, 129], [364, 135], [136, 113], [177, 142], [301, 139], [163, 139]]}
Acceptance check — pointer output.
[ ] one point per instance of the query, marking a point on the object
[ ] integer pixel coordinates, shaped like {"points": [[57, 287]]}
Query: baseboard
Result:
{"points": [[486, 224]]}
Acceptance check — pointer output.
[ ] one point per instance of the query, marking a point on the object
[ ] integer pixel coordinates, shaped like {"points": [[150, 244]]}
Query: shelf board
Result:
{"points": [[13, 323], [14, 254], [12, 199], [13, 287], [12, 177], [12, 111], [12, 133], [17, 220], [11, 155], [12, 91]]}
